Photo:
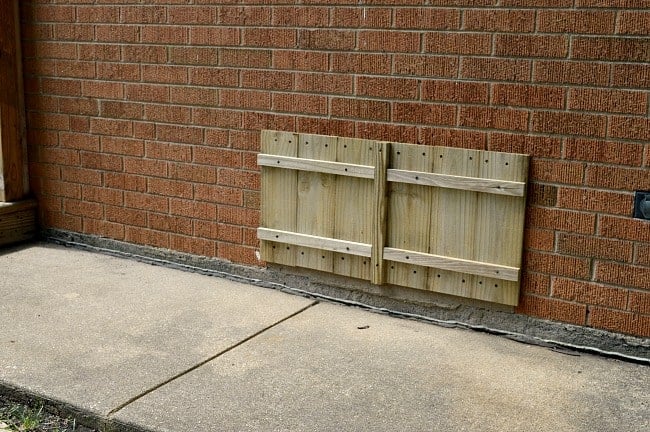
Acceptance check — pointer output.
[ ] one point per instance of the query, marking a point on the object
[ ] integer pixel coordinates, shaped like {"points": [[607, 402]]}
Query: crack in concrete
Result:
{"points": [[208, 360]]}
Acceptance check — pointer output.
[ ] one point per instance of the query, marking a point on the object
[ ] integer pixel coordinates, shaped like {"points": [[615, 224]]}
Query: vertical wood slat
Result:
{"points": [[353, 211], [279, 210], [316, 194], [382, 151], [409, 211], [13, 183]]}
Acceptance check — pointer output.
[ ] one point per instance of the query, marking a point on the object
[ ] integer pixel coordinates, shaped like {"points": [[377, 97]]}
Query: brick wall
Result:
{"points": [[144, 119]]}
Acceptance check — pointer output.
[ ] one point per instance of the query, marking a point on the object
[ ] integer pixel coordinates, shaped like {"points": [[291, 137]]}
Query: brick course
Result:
{"points": [[143, 119]]}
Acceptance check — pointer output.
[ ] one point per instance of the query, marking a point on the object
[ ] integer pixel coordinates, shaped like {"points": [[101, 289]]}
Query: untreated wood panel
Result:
{"points": [[442, 219], [17, 222]]}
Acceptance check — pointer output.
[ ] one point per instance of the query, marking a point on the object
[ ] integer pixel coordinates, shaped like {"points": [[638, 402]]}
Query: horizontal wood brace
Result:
{"points": [[313, 165], [500, 187], [324, 243], [452, 264]]}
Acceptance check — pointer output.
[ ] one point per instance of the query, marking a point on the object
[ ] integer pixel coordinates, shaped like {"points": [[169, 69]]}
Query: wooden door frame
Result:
{"points": [[14, 184]]}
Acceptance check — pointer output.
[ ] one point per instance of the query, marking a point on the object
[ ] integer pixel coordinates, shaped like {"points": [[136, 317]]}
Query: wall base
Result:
{"points": [[442, 310]]}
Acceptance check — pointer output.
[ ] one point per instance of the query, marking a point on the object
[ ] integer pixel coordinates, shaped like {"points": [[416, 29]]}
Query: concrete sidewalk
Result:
{"points": [[131, 346]]}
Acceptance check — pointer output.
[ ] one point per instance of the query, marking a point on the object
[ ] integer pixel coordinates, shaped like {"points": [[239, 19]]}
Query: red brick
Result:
{"points": [[144, 14], [193, 209], [589, 293], [536, 283], [386, 132], [54, 50], [269, 37], [63, 87], [217, 157], [528, 96], [613, 3], [556, 171], [167, 113], [191, 14], [192, 245], [244, 16], [147, 237], [634, 23], [171, 224], [74, 32], [171, 188], [78, 141], [622, 274], [111, 127], [252, 200], [216, 231], [222, 118], [123, 181], [382, 41], [537, 146], [576, 22], [193, 96], [624, 228], [539, 239], [596, 200], [455, 91], [78, 106], [425, 65], [164, 74], [554, 309], [427, 18], [639, 302], [511, 45], [245, 58], [193, 55], [326, 39], [126, 216], [542, 194], [360, 108], [642, 254], [392, 88], [560, 265], [612, 152], [103, 229], [594, 247], [144, 130], [124, 146], [569, 123], [102, 195], [631, 75], [299, 103], [53, 13], [99, 52], [615, 101], [101, 161], [144, 201], [168, 151], [238, 254], [323, 126], [107, 90], [273, 80], [302, 60], [122, 110], [175, 35], [145, 167], [630, 128], [452, 138], [218, 194], [494, 20], [493, 118], [47, 171], [180, 134], [192, 173], [144, 53], [423, 113], [458, 43], [61, 189], [98, 14], [494, 69], [355, 17], [60, 221], [613, 177], [74, 69], [118, 72], [238, 216], [564, 72], [82, 208], [561, 220], [121, 33], [618, 321], [60, 156], [616, 49], [324, 83], [216, 77]]}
